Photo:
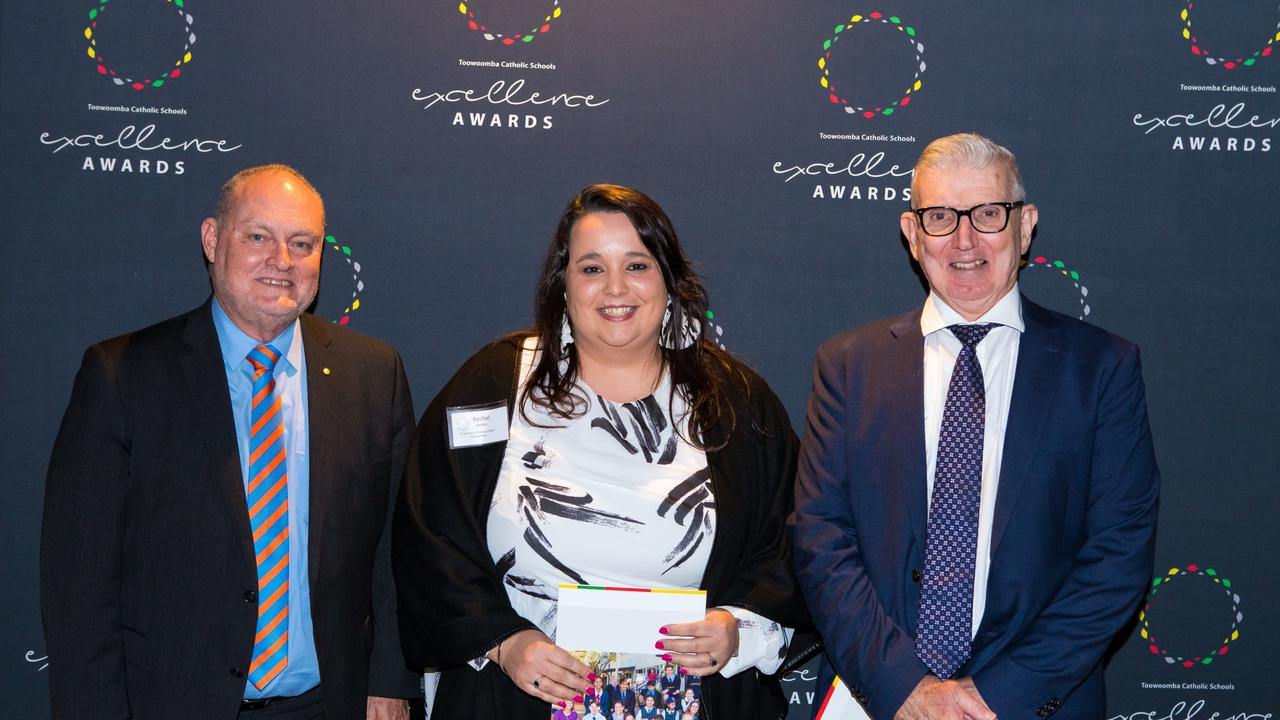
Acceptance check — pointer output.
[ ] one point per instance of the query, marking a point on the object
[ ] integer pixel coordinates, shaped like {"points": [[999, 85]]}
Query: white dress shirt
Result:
{"points": [[998, 356]]}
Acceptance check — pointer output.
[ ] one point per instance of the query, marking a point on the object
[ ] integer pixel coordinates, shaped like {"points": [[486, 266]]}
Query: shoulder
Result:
{"points": [[739, 382], [754, 401], [487, 376], [497, 360], [340, 339], [871, 334], [1079, 339], [147, 347]]}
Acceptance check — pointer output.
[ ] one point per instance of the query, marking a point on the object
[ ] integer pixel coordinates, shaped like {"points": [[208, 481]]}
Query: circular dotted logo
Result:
{"points": [[345, 251], [1060, 268], [1212, 59], [841, 30], [1229, 635], [474, 22], [96, 54], [714, 331]]}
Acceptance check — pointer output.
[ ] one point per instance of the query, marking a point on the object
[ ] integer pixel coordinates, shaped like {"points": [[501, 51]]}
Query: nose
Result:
{"points": [[962, 238], [615, 284], [280, 259]]}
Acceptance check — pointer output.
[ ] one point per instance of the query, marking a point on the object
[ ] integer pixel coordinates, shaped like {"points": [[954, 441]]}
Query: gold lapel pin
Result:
{"points": [[326, 371]]}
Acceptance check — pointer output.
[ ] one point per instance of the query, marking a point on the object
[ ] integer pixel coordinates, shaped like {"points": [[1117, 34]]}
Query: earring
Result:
{"points": [[566, 335], [689, 333]]}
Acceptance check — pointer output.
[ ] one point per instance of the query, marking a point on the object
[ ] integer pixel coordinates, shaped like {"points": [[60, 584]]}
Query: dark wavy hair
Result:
{"points": [[698, 372]]}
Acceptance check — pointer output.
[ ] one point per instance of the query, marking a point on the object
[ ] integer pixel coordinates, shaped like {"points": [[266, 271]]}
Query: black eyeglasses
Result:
{"points": [[986, 218]]}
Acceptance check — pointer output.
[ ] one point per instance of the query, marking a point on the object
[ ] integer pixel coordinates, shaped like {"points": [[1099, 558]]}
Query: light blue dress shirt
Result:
{"points": [[303, 670]]}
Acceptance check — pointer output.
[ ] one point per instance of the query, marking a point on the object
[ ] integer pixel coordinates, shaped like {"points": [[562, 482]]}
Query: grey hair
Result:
{"points": [[227, 196], [968, 150]]}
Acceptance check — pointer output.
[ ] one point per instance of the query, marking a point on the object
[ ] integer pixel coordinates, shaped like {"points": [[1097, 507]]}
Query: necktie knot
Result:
{"points": [[971, 335], [264, 358]]}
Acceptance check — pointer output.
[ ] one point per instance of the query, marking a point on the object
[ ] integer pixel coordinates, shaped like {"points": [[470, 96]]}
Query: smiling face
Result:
{"points": [[614, 288], [969, 270], [265, 253]]}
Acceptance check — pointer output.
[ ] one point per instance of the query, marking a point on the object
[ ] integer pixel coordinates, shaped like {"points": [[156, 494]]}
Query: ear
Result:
{"points": [[1026, 225], [209, 237], [911, 229]]}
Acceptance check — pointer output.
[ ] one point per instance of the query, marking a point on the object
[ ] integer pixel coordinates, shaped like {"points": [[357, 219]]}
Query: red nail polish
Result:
{"points": [[591, 692], [666, 656], [659, 645], [577, 698], [560, 704], [591, 677], [683, 671], [662, 630]]}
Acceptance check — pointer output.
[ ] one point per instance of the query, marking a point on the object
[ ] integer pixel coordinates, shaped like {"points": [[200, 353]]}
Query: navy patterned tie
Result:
{"points": [[946, 596]]}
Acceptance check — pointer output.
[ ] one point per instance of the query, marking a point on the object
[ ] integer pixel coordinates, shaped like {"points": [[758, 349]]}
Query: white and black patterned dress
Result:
{"points": [[615, 496], [612, 497]]}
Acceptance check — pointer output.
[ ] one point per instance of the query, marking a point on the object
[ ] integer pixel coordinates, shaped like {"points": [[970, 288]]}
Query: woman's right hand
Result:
{"points": [[541, 668]]}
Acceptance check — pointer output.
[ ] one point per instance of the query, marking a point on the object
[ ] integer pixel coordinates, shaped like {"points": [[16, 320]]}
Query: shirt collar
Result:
{"points": [[236, 344], [937, 315]]}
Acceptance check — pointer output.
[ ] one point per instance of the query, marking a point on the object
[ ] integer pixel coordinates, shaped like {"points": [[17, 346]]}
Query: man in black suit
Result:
{"points": [[214, 541]]}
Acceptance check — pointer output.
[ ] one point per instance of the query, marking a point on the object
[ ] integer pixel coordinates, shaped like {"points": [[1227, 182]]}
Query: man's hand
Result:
{"points": [[935, 699], [380, 708]]}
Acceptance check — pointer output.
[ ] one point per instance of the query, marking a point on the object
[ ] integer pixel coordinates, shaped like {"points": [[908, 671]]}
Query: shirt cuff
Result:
{"points": [[762, 643]]}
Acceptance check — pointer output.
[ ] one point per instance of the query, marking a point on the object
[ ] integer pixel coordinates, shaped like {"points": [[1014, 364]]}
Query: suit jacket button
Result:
{"points": [[915, 575], [237, 673], [250, 596]]}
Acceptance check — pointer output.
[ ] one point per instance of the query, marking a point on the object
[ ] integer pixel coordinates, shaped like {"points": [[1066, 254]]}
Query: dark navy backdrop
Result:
{"points": [[445, 158]]}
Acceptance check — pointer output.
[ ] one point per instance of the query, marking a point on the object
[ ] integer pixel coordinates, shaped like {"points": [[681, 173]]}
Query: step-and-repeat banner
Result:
{"points": [[447, 136]]}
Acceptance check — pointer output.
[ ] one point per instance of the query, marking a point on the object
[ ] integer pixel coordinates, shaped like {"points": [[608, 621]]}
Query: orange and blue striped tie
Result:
{"points": [[268, 498]]}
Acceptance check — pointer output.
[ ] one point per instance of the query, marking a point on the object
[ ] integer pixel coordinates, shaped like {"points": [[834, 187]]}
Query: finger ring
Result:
{"points": [[713, 660], [536, 682]]}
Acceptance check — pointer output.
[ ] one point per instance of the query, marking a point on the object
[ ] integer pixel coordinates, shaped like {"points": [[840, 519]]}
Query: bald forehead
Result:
{"points": [[260, 177]]}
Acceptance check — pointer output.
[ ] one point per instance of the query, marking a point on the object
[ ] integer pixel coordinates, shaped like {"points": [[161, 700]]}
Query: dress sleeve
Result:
{"points": [[762, 643]]}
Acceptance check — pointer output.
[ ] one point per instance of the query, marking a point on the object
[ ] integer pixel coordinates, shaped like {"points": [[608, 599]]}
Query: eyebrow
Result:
{"points": [[597, 256], [262, 225]]}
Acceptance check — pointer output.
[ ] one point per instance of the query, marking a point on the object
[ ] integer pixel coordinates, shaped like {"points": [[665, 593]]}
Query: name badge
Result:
{"points": [[472, 425]]}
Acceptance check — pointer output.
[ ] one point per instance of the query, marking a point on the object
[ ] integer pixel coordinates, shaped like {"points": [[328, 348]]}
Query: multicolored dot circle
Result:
{"points": [[715, 332], [1073, 276], [1210, 58], [1230, 636], [475, 23], [345, 251], [95, 52], [868, 111]]}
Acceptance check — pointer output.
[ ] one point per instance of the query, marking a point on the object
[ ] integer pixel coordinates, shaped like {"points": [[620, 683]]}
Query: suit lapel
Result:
{"points": [[904, 378], [1035, 386], [323, 409], [206, 379]]}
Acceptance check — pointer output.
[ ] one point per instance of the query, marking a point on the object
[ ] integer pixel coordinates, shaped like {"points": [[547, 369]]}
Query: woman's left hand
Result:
{"points": [[701, 648]]}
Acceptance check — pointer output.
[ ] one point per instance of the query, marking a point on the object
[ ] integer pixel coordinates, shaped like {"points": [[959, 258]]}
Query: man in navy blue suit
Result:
{"points": [[977, 489]]}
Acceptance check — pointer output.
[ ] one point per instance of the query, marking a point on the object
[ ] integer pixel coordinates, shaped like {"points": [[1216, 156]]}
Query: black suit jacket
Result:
{"points": [[147, 569]]}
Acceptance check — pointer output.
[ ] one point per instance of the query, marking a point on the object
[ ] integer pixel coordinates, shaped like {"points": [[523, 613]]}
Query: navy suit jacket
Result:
{"points": [[1071, 544]]}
